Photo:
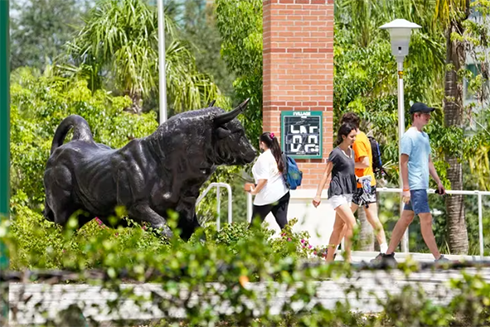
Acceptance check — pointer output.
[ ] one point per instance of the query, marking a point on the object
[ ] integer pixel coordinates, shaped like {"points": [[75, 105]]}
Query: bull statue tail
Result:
{"points": [[81, 131]]}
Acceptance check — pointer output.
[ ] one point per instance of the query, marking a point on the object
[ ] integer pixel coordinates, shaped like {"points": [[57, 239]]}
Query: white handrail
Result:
{"points": [[218, 198], [457, 192], [249, 207]]}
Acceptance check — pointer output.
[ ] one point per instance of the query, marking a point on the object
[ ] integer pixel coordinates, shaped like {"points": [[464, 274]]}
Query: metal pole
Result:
{"points": [[230, 206], [4, 148], [480, 224], [218, 209], [249, 207], [401, 130], [162, 81]]}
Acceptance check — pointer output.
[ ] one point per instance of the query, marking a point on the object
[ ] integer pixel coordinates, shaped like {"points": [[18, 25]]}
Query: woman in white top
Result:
{"points": [[270, 190]]}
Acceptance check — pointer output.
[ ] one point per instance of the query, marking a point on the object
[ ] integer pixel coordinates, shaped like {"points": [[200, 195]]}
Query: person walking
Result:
{"points": [[416, 165], [363, 168], [342, 179], [270, 190]]}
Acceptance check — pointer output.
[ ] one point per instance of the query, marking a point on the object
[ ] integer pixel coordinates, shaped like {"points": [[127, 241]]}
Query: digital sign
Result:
{"points": [[301, 133]]}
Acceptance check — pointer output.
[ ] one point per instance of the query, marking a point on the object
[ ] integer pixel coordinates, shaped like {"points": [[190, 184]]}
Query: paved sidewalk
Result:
{"points": [[366, 256]]}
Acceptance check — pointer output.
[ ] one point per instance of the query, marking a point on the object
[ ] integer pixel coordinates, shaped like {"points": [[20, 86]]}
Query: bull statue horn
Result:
{"points": [[211, 103], [228, 116]]}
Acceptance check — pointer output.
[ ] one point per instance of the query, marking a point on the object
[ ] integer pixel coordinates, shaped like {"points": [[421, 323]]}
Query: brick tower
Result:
{"points": [[298, 77], [298, 69]]}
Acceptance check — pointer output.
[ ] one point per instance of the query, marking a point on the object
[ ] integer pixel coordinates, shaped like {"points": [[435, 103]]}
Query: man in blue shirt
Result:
{"points": [[416, 165]]}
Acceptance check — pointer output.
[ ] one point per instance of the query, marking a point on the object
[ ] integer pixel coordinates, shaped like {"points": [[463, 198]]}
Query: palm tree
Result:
{"points": [[119, 42], [452, 13]]}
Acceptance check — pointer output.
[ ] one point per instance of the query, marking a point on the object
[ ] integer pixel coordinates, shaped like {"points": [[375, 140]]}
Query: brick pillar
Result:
{"points": [[298, 69]]}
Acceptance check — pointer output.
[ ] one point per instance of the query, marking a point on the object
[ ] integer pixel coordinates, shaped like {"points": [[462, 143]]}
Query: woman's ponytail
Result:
{"points": [[272, 143]]}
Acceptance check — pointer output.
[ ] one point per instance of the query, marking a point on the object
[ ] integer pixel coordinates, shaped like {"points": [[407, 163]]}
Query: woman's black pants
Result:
{"points": [[279, 209]]}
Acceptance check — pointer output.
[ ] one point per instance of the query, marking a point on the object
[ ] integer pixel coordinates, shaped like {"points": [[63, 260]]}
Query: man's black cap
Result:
{"points": [[420, 107]]}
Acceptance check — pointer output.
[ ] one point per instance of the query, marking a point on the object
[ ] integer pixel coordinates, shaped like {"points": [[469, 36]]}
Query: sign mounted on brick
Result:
{"points": [[302, 134]]}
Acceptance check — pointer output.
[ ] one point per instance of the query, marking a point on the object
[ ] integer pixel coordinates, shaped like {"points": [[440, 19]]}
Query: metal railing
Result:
{"points": [[218, 199], [249, 207], [455, 192]]}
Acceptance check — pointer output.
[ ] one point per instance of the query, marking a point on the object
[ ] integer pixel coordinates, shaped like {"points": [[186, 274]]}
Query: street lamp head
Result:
{"points": [[400, 32]]}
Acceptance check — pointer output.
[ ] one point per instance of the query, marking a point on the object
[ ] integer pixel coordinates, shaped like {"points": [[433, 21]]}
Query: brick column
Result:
{"points": [[298, 69]]}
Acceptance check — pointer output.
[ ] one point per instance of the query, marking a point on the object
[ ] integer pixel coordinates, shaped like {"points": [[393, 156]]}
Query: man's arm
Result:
{"points": [[404, 172], [362, 154], [362, 163], [433, 173]]}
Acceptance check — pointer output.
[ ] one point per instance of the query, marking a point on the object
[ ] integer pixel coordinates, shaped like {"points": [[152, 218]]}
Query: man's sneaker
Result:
{"points": [[378, 259], [388, 261], [442, 259]]}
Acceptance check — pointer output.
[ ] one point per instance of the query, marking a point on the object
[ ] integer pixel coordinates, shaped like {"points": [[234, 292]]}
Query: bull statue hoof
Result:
{"points": [[165, 232], [150, 176]]}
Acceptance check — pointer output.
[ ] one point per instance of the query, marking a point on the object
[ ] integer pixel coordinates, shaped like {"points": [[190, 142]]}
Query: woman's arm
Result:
{"points": [[326, 176], [260, 185]]}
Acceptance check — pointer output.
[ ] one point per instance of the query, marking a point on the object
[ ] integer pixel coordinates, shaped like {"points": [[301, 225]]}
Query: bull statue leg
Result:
{"points": [[188, 222], [188, 227], [143, 212], [59, 205]]}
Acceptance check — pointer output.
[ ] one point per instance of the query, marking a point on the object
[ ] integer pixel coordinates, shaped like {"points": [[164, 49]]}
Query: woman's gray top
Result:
{"points": [[343, 173]]}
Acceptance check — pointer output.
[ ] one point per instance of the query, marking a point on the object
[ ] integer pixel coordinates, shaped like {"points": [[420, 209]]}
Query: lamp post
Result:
{"points": [[400, 32], [162, 80]]}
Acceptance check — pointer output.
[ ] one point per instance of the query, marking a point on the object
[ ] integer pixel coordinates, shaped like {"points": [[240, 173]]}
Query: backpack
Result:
{"points": [[377, 163], [291, 174]]}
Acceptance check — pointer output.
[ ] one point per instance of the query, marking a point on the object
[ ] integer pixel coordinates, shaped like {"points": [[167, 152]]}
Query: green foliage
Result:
{"points": [[291, 243], [477, 86], [201, 277], [40, 28], [240, 25], [120, 40], [42, 244], [198, 26]]}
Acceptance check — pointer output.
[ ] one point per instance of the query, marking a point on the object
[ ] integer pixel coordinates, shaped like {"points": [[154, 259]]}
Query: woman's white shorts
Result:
{"points": [[338, 200]]}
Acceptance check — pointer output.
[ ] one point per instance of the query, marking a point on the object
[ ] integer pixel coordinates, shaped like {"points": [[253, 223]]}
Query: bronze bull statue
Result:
{"points": [[148, 176]]}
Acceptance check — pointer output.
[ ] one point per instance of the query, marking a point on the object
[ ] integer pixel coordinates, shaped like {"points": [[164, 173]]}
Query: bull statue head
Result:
{"points": [[232, 146]]}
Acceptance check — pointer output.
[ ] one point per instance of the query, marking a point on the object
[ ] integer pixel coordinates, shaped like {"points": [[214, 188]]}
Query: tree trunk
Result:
{"points": [[136, 107], [453, 116], [366, 234]]}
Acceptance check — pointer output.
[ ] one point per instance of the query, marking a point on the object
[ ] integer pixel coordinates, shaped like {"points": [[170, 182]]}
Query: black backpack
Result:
{"points": [[377, 163]]}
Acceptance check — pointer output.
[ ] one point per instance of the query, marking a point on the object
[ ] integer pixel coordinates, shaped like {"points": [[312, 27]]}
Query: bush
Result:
{"points": [[237, 258]]}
